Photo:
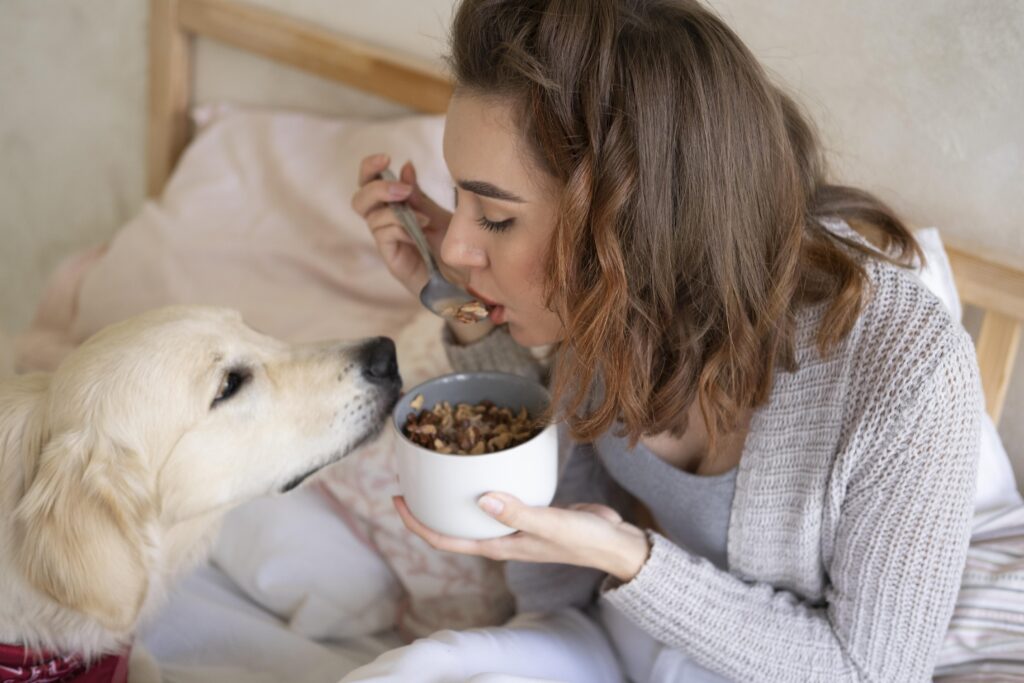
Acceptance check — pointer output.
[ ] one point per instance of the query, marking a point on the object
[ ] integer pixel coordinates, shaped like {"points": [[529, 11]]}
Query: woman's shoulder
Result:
{"points": [[904, 331], [902, 334]]}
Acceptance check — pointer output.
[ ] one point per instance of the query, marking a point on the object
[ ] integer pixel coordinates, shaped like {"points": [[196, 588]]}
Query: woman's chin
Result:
{"points": [[520, 334]]}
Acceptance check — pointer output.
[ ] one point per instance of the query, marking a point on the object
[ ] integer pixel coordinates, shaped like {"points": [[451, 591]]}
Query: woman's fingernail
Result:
{"points": [[422, 219], [398, 191], [492, 505]]}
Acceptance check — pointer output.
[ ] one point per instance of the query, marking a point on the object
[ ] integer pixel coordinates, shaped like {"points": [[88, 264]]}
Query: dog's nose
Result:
{"points": [[378, 360]]}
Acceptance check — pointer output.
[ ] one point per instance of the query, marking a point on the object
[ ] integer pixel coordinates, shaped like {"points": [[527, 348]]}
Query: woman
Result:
{"points": [[797, 413]]}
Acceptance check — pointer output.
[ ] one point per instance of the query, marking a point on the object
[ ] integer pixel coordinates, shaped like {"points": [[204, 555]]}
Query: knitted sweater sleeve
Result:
{"points": [[899, 550]]}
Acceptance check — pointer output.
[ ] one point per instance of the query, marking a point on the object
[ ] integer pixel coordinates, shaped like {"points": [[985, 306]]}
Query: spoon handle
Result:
{"points": [[411, 225]]}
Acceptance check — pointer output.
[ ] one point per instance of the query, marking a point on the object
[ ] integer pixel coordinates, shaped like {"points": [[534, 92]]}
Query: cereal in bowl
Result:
{"points": [[467, 429]]}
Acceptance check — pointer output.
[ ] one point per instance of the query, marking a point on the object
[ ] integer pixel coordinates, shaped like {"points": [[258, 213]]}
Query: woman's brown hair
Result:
{"points": [[689, 230]]}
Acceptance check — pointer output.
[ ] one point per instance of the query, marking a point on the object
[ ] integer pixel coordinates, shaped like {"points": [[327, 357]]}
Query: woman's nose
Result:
{"points": [[461, 247]]}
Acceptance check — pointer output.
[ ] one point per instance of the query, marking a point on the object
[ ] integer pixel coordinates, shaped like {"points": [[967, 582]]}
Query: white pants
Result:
{"points": [[568, 646]]}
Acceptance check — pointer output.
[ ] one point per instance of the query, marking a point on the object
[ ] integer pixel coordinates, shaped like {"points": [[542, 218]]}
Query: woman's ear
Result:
{"points": [[81, 528]]}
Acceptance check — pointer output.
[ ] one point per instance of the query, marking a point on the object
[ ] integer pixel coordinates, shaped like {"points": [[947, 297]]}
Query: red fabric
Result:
{"points": [[18, 664]]}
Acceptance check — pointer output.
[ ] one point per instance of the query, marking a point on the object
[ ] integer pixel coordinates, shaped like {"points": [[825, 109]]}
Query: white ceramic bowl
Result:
{"points": [[442, 490]]}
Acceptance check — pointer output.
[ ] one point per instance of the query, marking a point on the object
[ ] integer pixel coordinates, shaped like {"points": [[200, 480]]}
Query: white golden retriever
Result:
{"points": [[116, 469]]}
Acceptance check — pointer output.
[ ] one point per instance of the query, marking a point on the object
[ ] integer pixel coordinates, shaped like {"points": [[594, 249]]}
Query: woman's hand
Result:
{"points": [[400, 255], [587, 535], [399, 252]]}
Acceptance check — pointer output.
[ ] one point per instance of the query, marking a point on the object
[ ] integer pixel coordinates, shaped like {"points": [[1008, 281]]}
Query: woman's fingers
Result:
{"points": [[377, 193], [408, 173], [588, 535], [371, 201], [392, 238], [516, 546], [542, 521], [602, 511], [439, 216], [371, 166], [435, 539], [401, 257], [384, 217]]}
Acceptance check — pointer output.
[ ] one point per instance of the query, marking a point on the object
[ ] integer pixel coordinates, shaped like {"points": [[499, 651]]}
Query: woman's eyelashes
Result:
{"points": [[494, 226], [484, 221]]}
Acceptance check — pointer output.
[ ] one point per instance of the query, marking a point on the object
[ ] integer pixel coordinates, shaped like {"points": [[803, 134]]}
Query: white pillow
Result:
{"points": [[298, 559], [996, 487]]}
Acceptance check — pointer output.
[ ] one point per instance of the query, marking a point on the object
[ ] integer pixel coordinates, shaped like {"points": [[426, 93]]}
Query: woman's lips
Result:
{"points": [[495, 311], [481, 297], [497, 315]]}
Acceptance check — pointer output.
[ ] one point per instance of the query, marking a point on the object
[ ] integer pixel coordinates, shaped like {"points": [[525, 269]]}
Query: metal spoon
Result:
{"points": [[440, 296]]}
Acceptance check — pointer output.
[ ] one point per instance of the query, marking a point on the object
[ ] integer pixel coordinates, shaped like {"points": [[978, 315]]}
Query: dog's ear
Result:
{"points": [[82, 528]]}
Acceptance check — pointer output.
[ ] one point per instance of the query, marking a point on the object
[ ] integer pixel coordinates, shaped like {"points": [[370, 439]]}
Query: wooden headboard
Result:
{"points": [[983, 281], [173, 24]]}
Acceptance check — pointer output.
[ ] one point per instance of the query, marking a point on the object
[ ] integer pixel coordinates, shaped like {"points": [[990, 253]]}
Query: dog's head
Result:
{"points": [[172, 418]]}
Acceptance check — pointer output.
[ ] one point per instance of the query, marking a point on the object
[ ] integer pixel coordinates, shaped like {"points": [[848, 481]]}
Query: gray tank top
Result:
{"points": [[692, 510]]}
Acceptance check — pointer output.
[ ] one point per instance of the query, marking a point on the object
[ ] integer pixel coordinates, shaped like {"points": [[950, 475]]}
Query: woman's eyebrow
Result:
{"points": [[485, 189]]}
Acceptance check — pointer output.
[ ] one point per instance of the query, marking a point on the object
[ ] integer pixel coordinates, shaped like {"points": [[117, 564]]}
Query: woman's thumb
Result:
{"points": [[408, 174]]}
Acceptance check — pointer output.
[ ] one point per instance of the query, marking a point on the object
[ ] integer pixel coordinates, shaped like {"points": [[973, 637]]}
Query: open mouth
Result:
{"points": [[481, 298]]}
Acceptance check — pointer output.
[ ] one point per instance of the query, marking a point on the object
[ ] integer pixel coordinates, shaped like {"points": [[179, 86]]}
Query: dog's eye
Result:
{"points": [[229, 386]]}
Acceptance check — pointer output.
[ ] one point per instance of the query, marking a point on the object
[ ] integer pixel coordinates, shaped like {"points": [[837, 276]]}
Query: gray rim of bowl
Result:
{"points": [[454, 376]]}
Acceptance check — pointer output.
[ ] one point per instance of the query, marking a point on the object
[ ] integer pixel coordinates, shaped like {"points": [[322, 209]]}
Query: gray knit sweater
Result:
{"points": [[850, 522]]}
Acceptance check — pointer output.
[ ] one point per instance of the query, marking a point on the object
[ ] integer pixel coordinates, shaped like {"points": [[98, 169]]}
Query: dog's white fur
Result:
{"points": [[116, 469]]}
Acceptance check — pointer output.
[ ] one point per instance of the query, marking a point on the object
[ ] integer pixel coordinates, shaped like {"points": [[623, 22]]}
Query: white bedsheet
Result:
{"points": [[211, 633]]}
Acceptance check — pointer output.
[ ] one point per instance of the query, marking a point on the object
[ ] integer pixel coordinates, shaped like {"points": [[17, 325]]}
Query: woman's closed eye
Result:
{"points": [[484, 221], [495, 226]]}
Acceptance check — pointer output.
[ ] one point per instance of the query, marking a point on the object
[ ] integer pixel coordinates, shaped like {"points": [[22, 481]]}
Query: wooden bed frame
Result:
{"points": [[982, 281]]}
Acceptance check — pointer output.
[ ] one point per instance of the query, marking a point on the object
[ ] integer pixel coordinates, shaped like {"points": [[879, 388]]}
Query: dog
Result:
{"points": [[116, 469]]}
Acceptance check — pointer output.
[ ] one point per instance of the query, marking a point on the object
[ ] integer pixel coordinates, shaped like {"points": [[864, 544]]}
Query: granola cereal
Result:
{"points": [[470, 312], [467, 429]]}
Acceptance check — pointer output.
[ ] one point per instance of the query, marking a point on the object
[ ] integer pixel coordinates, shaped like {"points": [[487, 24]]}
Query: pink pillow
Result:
{"points": [[257, 217]]}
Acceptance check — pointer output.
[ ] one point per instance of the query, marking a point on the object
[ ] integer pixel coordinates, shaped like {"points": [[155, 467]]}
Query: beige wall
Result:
{"points": [[72, 79], [920, 101]]}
